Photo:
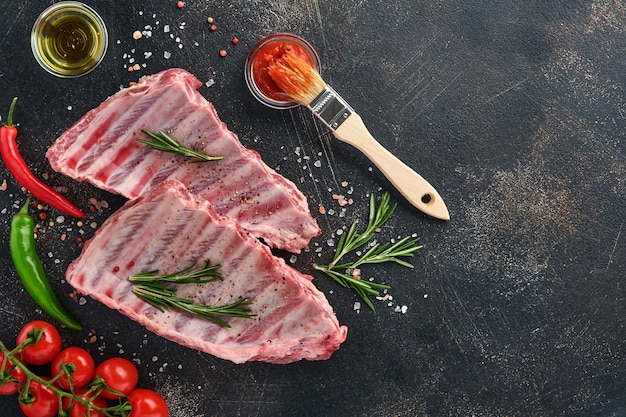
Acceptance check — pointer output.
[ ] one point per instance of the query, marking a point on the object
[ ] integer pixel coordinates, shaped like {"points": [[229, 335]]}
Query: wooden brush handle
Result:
{"points": [[408, 182]]}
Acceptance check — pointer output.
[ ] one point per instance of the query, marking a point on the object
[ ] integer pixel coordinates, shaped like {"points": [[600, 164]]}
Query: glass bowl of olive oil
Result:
{"points": [[69, 39]]}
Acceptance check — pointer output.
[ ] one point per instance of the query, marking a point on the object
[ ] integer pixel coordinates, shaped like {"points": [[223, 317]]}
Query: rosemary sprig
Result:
{"points": [[165, 143], [181, 277], [154, 289], [344, 273]]}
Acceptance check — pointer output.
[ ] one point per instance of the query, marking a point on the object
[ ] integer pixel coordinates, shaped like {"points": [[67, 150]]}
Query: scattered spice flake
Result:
{"points": [[235, 41], [344, 184], [4, 185], [209, 19], [180, 4], [223, 53], [92, 201], [322, 210], [342, 200], [213, 28], [137, 35]]}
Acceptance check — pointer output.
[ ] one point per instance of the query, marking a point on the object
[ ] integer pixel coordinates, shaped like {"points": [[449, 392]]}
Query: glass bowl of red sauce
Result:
{"points": [[268, 49]]}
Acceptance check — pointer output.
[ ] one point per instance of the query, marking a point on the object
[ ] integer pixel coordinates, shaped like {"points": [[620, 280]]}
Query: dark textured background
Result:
{"points": [[514, 111]]}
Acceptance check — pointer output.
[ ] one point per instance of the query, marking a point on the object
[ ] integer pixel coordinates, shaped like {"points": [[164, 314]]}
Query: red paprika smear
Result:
{"points": [[268, 54]]}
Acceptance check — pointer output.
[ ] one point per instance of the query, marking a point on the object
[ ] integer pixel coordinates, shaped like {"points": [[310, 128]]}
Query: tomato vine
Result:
{"points": [[77, 387]]}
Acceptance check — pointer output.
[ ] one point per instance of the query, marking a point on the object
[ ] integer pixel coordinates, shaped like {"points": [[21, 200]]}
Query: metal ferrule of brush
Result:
{"points": [[330, 108]]}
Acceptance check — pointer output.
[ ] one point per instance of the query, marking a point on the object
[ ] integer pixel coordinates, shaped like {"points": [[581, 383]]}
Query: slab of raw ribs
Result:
{"points": [[168, 229], [102, 148]]}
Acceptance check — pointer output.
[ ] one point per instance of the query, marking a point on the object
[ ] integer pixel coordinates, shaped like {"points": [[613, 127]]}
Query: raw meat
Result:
{"points": [[168, 229], [102, 148]]}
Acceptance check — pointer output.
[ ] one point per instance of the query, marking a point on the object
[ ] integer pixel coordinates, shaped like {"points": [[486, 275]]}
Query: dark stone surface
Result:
{"points": [[514, 112]]}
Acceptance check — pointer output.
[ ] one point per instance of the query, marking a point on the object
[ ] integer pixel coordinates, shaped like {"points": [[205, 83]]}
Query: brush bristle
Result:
{"points": [[296, 77]]}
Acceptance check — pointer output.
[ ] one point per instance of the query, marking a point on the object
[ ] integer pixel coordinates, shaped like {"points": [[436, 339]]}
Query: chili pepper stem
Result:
{"points": [[24, 210], [10, 116]]}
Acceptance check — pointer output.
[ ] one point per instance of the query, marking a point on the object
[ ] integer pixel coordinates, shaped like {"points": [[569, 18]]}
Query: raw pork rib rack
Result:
{"points": [[168, 229], [102, 148]]}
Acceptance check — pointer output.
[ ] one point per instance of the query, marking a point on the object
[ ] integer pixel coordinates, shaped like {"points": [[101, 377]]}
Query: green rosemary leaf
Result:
{"points": [[388, 252], [166, 143], [156, 290], [352, 240]]}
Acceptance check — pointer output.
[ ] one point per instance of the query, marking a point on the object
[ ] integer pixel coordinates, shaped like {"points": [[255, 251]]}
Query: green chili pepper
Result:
{"points": [[30, 270]]}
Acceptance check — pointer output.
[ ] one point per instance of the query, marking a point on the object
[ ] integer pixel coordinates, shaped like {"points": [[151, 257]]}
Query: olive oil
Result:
{"points": [[70, 43], [69, 40]]}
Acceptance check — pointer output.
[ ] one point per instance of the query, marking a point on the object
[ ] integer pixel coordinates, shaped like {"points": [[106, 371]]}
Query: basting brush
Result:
{"points": [[304, 84]]}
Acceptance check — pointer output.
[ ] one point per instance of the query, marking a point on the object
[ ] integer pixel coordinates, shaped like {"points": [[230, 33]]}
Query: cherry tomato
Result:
{"points": [[41, 402], [79, 362], [119, 375], [147, 403], [8, 386], [46, 349], [78, 409]]}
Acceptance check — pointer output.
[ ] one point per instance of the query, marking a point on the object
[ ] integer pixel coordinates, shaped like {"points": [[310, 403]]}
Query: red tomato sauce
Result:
{"points": [[267, 54]]}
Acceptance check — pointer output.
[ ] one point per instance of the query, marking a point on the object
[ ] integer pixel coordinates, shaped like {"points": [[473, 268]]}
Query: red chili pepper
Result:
{"points": [[17, 166]]}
